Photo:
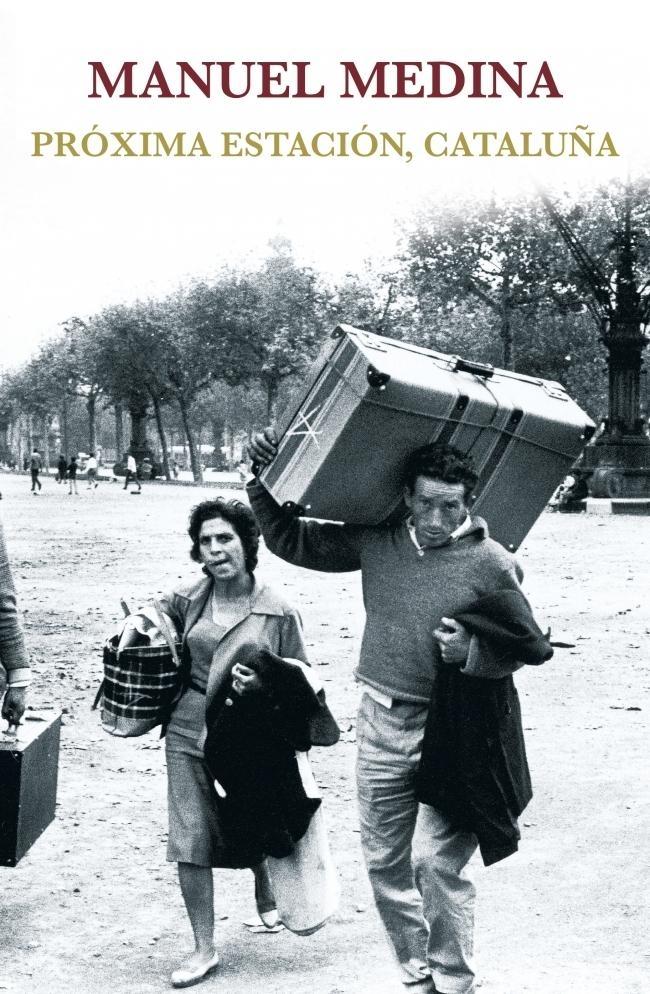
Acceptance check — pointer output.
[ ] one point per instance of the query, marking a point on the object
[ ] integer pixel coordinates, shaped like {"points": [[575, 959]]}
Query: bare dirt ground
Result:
{"points": [[95, 909]]}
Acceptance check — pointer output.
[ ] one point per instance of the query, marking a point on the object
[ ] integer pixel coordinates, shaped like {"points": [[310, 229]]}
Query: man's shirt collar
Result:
{"points": [[462, 529]]}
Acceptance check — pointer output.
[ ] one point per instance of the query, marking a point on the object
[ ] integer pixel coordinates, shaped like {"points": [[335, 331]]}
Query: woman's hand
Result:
{"points": [[245, 680]]}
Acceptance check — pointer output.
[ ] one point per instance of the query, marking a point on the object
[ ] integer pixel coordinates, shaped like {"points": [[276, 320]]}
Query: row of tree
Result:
{"points": [[498, 281]]}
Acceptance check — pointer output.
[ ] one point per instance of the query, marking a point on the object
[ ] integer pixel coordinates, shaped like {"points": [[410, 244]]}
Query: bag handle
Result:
{"points": [[100, 691], [167, 633]]}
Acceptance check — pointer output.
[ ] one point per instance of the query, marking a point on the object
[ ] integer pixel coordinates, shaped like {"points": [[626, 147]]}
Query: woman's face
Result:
{"points": [[221, 549]]}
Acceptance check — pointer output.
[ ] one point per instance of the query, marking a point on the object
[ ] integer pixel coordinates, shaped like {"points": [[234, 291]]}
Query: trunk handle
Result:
{"points": [[483, 369]]}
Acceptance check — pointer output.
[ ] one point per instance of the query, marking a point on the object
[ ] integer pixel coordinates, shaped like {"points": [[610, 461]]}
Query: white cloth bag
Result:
{"points": [[305, 883]]}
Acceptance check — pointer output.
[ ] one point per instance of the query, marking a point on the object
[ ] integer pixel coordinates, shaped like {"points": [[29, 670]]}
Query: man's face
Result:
{"points": [[437, 509]]}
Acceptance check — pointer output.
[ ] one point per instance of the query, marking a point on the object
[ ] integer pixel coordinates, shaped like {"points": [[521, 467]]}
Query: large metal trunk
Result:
{"points": [[370, 401]]}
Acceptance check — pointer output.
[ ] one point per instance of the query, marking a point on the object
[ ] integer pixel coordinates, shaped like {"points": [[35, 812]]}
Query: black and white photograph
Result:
{"points": [[354, 300]]}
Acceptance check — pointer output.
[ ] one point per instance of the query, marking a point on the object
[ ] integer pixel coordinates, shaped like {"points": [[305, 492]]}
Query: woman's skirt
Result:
{"points": [[194, 832]]}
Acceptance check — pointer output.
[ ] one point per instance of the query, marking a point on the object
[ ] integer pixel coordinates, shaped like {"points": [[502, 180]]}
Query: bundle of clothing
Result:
{"points": [[255, 750], [473, 766]]}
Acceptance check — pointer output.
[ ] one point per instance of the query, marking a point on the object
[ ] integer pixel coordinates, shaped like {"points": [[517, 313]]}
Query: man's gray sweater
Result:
{"points": [[406, 591]]}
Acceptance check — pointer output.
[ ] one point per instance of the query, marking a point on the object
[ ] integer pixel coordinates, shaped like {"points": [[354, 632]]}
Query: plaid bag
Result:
{"points": [[141, 685]]}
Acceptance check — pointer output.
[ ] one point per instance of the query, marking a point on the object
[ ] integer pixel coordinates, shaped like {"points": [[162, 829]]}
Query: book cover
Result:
{"points": [[343, 154]]}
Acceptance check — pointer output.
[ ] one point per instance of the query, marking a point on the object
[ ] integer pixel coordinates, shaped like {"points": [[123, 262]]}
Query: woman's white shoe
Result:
{"points": [[270, 918], [185, 976]]}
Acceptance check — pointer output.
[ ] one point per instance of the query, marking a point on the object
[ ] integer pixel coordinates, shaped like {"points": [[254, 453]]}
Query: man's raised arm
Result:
{"points": [[321, 545]]}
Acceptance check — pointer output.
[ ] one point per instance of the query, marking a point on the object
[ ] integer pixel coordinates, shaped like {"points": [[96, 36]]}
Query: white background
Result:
{"points": [[79, 233]]}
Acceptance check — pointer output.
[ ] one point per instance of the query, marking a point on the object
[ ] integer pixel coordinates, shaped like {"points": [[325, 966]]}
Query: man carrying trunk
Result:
{"points": [[417, 577]]}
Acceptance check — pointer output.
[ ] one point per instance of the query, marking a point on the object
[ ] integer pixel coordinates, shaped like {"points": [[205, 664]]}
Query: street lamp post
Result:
{"points": [[619, 458]]}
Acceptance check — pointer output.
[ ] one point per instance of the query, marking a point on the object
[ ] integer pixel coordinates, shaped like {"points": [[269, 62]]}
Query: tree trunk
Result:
{"points": [[119, 433], [14, 438], [46, 445], [229, 441], [195, 461], [64, 426], [506, 338], [91, 404], [271, 399], [20, 443], [506, 327], [139, 445], [383, 320], [5, 443], [218, 435], [161, 436]]}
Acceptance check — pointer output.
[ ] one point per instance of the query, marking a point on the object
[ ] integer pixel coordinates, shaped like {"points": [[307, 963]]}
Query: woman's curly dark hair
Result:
{"points": [[235, 513]]}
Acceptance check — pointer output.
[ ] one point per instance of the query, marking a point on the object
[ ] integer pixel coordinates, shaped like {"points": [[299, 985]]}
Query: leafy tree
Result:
{"points": [[41, 389], [272, 321], [85, 368], [229, 412], [8, 417], [122, 367], [378, 299], [290, 318], [178, 359], [500, 254]]}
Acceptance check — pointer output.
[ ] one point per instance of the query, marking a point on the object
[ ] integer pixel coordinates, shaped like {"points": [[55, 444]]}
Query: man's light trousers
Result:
{"points": [[415, 859]]}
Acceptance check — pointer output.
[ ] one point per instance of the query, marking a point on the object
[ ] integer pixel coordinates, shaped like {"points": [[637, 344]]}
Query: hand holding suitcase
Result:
{"points": [[29, 755]]}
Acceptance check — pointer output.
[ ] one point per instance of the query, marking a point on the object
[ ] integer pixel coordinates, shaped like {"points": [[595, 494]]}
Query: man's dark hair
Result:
{"points": [[440, 462], [236, 514]]}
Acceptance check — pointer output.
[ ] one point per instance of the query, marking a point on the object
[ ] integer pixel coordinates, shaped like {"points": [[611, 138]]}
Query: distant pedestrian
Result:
{"points": [[574, 493], [72, 475], [131, 474], [91, 471], [175, 469], [35, 465], [61, 468]]}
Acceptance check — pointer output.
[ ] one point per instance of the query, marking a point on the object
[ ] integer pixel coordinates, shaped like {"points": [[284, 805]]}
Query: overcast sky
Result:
{"points": [[81, 233]]}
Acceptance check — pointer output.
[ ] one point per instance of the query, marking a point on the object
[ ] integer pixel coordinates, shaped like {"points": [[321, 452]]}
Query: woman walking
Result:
{"points": [[224, 611]]}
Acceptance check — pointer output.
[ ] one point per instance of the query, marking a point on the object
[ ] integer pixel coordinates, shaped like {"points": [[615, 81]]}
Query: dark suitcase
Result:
{"points": [[28, 780], [369, 401]]}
